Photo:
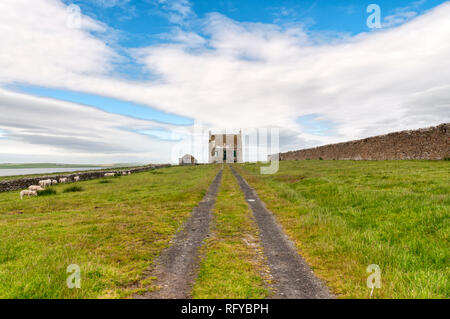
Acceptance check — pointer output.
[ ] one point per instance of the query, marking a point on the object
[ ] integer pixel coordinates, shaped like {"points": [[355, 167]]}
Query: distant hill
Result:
{"points": [[43, 165], [57, 165]]}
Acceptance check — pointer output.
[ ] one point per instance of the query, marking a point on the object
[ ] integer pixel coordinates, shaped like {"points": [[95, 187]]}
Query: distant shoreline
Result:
{"points": [[30, 171], [55, 165], [8, 173]]}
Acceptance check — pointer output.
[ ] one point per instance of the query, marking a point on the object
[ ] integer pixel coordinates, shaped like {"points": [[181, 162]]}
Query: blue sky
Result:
{"points": [[140, 23], [130, 81], [144, 20]]}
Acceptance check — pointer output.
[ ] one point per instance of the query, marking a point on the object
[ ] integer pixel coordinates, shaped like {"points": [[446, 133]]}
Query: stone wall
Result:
{"points": [[431, 143], [23, 183]]}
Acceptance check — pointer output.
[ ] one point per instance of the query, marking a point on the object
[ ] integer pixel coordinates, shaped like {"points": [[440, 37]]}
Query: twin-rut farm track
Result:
{"points": [[177, 267]]}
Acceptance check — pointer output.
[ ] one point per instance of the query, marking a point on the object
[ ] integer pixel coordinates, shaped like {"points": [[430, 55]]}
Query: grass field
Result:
{"points": [[233, 266], [345, 215], [112, 228], [342, 216]]}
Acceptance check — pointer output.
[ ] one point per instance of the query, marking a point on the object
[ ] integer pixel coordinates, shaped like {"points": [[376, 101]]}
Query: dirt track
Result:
{"points": [[176, 267], [293, 277]]}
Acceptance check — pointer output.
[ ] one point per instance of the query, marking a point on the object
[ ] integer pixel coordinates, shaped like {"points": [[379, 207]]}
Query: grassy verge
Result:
{"points": [[233, 263], [346, 215], [112, 231]]}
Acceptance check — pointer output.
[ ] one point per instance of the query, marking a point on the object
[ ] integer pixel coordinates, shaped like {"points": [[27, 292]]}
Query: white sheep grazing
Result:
{"points": [[109, 174], [63, 180], [35, 188], [124, 173], [27, 193], [54, 181], [76, 178], [45, 182], [129, 173]]}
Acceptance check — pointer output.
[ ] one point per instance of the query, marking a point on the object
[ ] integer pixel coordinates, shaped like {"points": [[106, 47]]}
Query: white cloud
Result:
{"points": [[247, 74], [177, 11], [261, 75], [38, 45], [402, 15], [398, 18], [62, 130]]}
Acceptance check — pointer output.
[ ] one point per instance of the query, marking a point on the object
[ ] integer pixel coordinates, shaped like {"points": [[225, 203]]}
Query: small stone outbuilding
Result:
{"points": [[187, 160]]}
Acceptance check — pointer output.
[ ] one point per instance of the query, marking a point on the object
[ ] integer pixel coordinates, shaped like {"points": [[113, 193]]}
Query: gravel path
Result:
{"points": [[292, 275], [176, 268]]}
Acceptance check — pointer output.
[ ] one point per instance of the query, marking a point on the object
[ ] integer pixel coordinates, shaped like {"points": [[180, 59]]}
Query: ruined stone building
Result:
{"points": [[225, 148]]}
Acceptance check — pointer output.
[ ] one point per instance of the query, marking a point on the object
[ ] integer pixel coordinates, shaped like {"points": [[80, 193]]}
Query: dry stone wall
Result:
{"points": [[431, 143], [23, 183]]}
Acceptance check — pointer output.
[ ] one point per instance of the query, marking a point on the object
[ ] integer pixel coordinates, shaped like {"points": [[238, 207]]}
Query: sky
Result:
{"points": [[128, 81]]}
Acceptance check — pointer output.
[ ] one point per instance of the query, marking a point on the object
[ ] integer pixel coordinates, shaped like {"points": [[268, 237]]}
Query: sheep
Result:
{"points": [[109, 174], [27, 193], [54, 181], [76, 178], [129, 173], [35, 188], [45, 182], [63, 180], [124, 173]]}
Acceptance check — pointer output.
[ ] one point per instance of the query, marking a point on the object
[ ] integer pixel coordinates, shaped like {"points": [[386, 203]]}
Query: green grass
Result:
{"points": [[233, 259], [47, 192], [112, 231], [73, 189], [345, 215]]}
